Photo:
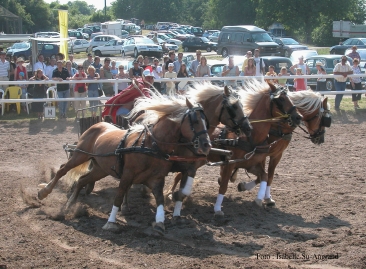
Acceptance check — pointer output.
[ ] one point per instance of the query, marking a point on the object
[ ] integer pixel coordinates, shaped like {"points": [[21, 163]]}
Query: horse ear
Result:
{"points": [[227, 91], [325, 102], [273, 87], [189, 104]]}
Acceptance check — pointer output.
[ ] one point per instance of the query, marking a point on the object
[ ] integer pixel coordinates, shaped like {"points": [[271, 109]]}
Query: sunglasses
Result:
{"points": [[121, 68]]}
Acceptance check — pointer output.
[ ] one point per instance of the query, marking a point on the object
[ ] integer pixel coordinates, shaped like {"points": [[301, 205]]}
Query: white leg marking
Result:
{"points": [[220, 198], [112, 216], [250, 185], [268, 192], [177, 208], [160, 214], [188, 187], [262, 190]]}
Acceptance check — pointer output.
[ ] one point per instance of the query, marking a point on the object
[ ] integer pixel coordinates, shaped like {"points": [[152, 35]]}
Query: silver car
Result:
{"points": [[112, 47], [135, 46], [214, 37], [78, 45]]}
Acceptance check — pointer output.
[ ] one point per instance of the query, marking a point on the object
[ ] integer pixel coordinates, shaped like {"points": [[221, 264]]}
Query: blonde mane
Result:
{"points": [[202, 91], [308, 101], [251, 93], [159, 106]]}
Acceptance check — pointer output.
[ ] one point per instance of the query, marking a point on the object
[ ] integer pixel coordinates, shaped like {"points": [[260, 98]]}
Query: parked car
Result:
{"points": [[328, 61], [124, 34], [340, 49], [207, 33], [23, 49], [112, 47], [85, 30], [238, 39], [168, 45], [126, 64], [166, 38], [47, 49], [76, 34], [198, 43], [95, 28], [196, 31], [101, 40], [304, 53], [214, 37], [288, 45], [78, 45], [135, 46]]}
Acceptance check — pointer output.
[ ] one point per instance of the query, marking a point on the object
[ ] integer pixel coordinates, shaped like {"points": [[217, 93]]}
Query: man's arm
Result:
{"points": [[292, 69]]}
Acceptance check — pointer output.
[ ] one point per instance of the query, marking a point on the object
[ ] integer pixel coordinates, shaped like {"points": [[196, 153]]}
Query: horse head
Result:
{"points": [[317, 121], [232, 113], [283, 106], [194, 127]]}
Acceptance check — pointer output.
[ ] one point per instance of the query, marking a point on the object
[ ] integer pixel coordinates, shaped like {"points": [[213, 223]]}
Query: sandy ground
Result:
{"points": [[320, 193]]}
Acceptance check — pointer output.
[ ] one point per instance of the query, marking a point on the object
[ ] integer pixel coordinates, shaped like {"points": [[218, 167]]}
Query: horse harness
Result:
{"points": [[154, 151]]}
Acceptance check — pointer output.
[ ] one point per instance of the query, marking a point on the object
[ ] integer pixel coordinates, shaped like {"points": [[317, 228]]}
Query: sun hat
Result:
{"points": [[20, 59], [170, 64], [319, 63]]}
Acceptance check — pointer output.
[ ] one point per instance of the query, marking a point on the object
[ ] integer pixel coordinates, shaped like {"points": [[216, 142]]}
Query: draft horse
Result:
{"points": [[316, 117], [139, 155]]}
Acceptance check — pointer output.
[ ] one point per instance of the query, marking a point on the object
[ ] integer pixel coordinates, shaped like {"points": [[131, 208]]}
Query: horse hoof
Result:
{"points": [[42, 194], [219, 215], [42, 185], [111, 227], [241, 186], [258, 202], [125, 210], [270, 202], [159, 227]]}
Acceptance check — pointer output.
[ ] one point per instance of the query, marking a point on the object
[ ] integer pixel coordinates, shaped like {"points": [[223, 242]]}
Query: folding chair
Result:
{"points": [[13, 92], [3, 104]]}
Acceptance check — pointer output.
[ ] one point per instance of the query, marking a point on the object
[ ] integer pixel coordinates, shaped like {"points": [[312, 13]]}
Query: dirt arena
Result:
{"points": [[319, 220]]}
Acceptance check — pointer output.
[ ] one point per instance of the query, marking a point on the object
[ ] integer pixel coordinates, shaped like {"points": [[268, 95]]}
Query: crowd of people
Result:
{"points": [[59, 69]]}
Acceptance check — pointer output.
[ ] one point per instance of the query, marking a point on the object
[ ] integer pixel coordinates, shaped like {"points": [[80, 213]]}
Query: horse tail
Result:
{"points": [[75, 173]]}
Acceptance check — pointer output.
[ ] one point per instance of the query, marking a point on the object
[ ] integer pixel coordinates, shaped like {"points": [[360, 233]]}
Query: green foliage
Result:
{"points": [[309, 21]]}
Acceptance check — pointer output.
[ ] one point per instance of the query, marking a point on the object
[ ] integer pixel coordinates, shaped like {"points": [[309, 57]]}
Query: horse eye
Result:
{"points": [[234, 107]]}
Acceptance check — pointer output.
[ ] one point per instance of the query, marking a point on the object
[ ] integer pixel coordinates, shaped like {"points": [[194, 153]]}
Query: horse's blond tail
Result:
{"points": [[74, 174]]}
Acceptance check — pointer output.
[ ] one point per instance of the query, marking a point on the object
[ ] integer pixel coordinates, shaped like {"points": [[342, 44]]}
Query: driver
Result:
{"points": [[123, 102]]}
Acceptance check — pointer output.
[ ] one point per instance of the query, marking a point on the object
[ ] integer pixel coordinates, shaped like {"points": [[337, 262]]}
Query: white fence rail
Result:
{"points": [[200, 79]]}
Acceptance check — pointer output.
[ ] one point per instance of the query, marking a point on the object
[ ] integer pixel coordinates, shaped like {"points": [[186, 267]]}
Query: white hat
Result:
{"points": [[147, 73], [170, 64]]}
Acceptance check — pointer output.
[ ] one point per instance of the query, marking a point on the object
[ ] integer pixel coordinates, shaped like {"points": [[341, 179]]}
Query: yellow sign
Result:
{"points": [[64, 26]]}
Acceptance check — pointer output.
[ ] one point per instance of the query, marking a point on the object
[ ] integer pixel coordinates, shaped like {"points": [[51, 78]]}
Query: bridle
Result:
{"points": [[275, 99], [192, 117], [230, 108], [324, 119]]}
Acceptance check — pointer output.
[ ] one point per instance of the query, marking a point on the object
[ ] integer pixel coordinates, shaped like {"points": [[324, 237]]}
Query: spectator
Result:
{"points": [[178, 62], [29, 67], [247, 57], [47, 61], [72, 71], [79, 88], [40, 64], [354, 54], [88, 62], [140, 60], [320, 82], [4, 69], [283, 72], [158, 73], [170, 85], [63, 90], [271, 73], [114, 69], [39, 92], [21, 77], [71, 59], [60, 56], [259, 64], [105, 73], [97, 65], [20, 68], [136, 70], [196, 62], [343, 69], [304, 67], [182, 73], [165, 59], [299, 84], [155, 39], [229, 70], [93, 89], [249, 69], [170, 60], [203, 70], [50, 68], [356, 82], [13, 66], [122, 75], [146, 64]]}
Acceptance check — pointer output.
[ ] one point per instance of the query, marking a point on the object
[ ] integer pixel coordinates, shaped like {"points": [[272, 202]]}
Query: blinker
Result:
{"points": [[326, 120]]}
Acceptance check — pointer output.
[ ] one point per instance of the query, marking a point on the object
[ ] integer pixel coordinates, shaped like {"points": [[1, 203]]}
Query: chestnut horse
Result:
{"points": [[265, 103], [139, 155], [316, 117], [219, 105]]}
